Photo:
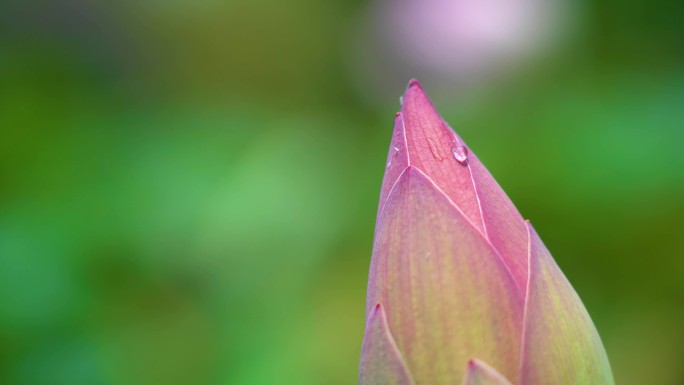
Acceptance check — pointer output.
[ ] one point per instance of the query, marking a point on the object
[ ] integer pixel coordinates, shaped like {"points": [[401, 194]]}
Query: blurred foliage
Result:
{"points": [[188, 189]]}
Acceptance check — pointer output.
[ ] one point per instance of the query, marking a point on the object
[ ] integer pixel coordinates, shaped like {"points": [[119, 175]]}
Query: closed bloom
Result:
{"points": [[461, 288]]}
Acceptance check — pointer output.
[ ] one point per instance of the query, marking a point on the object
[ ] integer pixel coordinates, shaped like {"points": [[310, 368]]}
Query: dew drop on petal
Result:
{"points": [[460, 154]]}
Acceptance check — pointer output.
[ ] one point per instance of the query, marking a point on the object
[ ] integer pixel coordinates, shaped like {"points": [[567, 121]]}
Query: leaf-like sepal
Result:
{"points": [[381, 362], [560, 342]]}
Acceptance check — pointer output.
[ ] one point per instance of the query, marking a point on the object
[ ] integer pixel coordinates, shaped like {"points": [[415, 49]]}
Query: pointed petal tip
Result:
{"points": [[413, 88], [398, 118], [415, 91], [433, 147], [480, 373], [414, 83], [381, 360], [377, 312], [471, 365]]}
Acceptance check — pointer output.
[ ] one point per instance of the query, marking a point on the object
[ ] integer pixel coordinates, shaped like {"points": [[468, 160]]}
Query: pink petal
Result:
{"points": [[397, 159], [479, 373], [423, 139], [504, 226], [560, 342], [447, 293], [381, 362], [428, 142]]}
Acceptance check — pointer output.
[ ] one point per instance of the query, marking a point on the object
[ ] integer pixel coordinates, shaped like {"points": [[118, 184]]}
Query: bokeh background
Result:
{"points": [[188, 189]]}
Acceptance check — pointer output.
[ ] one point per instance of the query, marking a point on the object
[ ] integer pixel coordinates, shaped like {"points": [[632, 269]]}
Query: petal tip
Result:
{"points": [[413, 83], [480, 373], [381, 360], [413, 90]]}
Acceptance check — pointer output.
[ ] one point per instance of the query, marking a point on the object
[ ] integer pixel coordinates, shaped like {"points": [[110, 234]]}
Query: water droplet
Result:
{"points": [[460, 153], [401, 100], [434, 150], [395, 151]]}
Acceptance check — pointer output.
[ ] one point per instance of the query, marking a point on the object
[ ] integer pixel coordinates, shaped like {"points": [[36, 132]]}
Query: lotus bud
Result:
{"points": [[461, 288]]}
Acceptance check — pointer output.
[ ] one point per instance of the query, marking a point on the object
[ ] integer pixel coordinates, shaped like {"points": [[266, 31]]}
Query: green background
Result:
{"points": [[188, 189]]}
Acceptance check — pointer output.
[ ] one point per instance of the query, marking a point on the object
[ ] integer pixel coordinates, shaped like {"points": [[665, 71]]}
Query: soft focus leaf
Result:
{"points": [[560, 342], [447, 294], [479, 373], [381, 362]]}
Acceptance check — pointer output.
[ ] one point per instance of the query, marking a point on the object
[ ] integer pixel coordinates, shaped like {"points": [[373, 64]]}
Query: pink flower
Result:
{"points": [[461, 288]]}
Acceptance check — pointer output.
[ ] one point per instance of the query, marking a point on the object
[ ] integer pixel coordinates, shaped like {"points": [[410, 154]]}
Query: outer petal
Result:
{"points": [[504, 226], [560, 343], [381, 362], [428, 142], [479, 373], [447, 294], [423, 139]]}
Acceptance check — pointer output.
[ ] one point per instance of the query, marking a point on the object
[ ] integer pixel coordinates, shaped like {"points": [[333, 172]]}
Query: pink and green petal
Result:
{"points": [[381, 362], [423, 139], [448, 295], [479, 373], [428, 141], [560, 342], [504, 226]]}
